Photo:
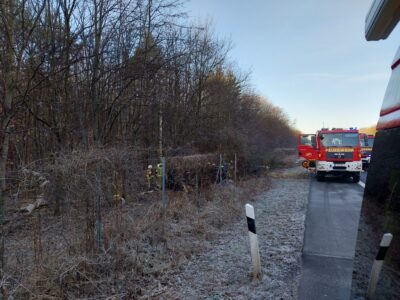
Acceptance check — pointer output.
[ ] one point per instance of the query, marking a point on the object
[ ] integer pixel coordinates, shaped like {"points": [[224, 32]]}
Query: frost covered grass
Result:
{"points": [[47, 257], [223, 270]]}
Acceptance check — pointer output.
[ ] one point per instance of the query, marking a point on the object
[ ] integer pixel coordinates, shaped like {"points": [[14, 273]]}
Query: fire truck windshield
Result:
{"points": [[308, 140], [370, 142], [339, 139], [362, 142]]}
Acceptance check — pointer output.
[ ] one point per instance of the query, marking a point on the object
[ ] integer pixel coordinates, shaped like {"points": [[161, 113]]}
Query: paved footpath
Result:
{"points": [[330, 239]]}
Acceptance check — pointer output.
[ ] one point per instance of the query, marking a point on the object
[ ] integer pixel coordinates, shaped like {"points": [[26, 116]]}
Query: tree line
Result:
{"points": [[78, 75], [81, 75]]}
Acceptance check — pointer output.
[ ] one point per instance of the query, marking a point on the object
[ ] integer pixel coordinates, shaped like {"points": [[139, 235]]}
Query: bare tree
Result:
{"points": [[19, 21]]}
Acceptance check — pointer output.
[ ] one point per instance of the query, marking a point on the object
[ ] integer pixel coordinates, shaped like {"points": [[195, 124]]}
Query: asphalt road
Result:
{"points": [[330, 238], [364, 176]]}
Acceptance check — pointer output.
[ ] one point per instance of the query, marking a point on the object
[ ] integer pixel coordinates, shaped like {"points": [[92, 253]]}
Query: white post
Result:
{"points": [[377, 266], [255, 252]]}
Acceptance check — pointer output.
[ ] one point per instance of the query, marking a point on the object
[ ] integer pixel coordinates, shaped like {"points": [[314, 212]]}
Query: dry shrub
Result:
{"points": [[189, 162], [105, 172], [140, 243], [185, 172]]}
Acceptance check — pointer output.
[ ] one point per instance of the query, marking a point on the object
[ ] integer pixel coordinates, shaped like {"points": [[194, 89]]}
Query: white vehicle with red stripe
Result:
{"points": [[381, 19], [390, 110], [384, 170], [380, 211]]}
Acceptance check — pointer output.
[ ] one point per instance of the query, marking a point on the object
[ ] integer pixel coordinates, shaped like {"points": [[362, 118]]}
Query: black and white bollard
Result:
{"points": [[377, 266], [254, 250]]}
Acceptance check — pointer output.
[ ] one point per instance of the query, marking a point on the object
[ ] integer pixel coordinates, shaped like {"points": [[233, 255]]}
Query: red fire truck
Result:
{"points": [[333, 151], [366, 149]]}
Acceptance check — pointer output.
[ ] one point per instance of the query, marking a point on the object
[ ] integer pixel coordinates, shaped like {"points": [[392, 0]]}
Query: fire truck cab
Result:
{"points": [[333, 151], [366, 150]]}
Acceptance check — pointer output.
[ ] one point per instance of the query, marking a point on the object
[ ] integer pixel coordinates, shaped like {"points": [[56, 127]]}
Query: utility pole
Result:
{"points": [[160, 119], [235, 170], [164, 199], [99, 225]]}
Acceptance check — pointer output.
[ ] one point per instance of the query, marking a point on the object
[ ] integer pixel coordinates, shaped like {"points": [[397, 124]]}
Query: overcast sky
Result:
{"points": [[309, 57]]}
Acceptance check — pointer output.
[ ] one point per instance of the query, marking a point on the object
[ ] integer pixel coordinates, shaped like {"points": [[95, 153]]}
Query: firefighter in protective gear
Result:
{"points": [[159, 175], [149, 177]]}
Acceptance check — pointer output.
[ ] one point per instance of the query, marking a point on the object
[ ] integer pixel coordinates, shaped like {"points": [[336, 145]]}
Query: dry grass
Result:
{"points": [[56, 257]]}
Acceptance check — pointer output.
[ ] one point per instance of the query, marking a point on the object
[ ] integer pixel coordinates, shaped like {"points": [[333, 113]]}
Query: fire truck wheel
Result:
{"points": [[320, 176], [356, 177]]}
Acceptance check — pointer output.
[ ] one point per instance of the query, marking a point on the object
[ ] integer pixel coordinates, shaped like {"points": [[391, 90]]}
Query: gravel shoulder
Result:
{"points": [[370, 230], [223, 269]]}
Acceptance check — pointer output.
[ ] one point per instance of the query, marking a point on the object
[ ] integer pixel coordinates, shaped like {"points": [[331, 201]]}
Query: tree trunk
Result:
{"points": [[9, 91]]}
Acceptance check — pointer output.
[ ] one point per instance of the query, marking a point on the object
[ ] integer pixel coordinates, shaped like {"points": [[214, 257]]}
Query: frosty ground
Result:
{"points": [[199, 249], [223, 269]]}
